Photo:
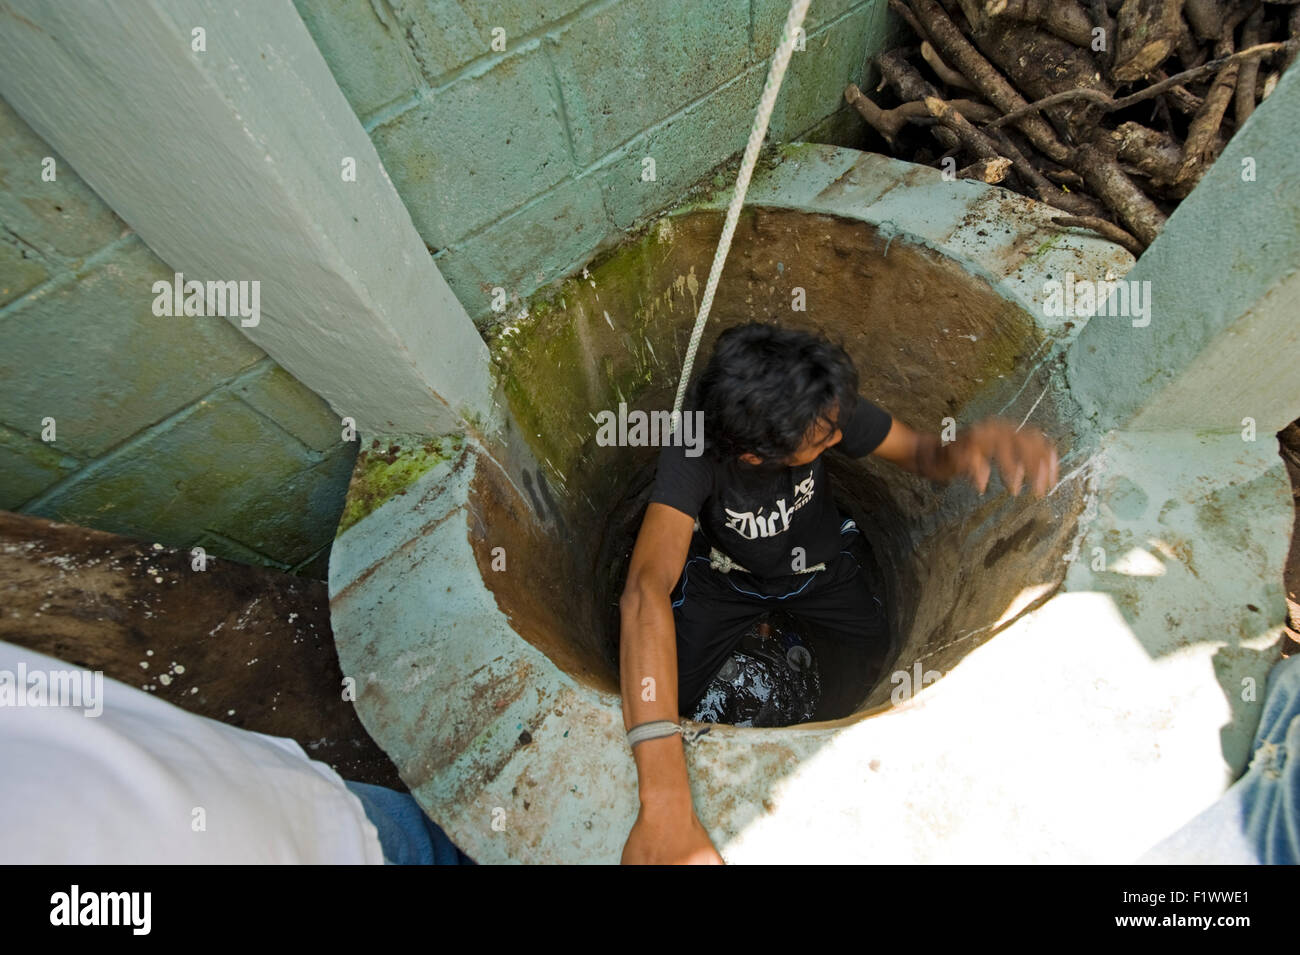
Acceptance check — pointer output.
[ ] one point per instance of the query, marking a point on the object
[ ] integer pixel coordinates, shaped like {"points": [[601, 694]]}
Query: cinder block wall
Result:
{"points": [[176, 430], [518, 164]]}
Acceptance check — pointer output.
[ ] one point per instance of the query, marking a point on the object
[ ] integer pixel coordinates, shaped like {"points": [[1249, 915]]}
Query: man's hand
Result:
{"points": [[1024, 455], [669, 836], [1020, 455]]}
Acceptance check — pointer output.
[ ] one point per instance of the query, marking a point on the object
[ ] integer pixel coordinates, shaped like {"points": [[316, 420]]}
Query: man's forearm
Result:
{"points": [[932, 458], [648, 669]]}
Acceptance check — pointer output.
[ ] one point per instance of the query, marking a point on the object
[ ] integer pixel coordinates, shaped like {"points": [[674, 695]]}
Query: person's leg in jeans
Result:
{"points": [[711, 617], [407, 835], [849, 623], [1257, 821]]}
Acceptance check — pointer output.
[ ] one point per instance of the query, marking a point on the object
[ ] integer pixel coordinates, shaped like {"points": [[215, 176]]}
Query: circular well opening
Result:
{"points": [[931, 342]]}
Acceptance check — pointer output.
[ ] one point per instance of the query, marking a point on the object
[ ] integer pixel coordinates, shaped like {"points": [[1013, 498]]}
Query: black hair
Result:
{"points": [[766, 387]]}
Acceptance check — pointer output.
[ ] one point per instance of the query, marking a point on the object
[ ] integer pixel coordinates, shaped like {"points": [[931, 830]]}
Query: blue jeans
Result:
{"points": [[1257, 821], [407, 835]]}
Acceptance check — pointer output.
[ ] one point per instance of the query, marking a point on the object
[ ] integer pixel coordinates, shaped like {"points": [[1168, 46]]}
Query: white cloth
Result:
{"points": [[147, 782]]}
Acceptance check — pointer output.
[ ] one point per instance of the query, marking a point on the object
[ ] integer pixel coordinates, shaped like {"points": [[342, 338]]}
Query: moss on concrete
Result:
{"points": [[390, 465], [565, 357], [1003, 353]]}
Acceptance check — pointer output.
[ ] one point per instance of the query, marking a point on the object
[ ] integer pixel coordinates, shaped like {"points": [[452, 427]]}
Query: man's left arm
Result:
{"points": [[1022, 454]]}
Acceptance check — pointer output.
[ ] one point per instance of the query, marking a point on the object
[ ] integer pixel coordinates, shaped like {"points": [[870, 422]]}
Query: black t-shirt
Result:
{"points": [[758, 516]]}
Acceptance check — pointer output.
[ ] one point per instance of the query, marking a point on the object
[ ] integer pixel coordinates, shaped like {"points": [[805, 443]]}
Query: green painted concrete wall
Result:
{"points": [[175, 430], [517, 165]]}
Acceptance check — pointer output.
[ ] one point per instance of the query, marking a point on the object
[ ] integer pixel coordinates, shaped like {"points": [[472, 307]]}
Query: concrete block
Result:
{"points": [[517, 17], [92, 354], [295, 520], [478, 149], [63, 219], [769, 17], [292, 405], [844, 128], [814, 82], [222, 467], [529, 249], [28, 467], [684, 148], [446, 34], [21, 269], [366, 51], [633, 64], [440, 35]]}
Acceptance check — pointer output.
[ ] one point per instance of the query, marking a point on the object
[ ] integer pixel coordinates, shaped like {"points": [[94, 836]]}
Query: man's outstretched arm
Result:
{"points": [[666, 828], [1022, 455]]}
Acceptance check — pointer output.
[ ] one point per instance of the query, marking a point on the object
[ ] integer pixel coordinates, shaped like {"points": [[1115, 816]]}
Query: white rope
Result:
{"points": [[765, 105]]}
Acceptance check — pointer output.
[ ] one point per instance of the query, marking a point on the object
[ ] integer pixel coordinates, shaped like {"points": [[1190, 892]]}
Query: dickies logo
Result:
{"points": [[751, 524]]}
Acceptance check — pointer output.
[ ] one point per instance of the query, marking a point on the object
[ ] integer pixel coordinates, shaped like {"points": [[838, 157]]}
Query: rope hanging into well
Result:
{"points": [[765, 105]]}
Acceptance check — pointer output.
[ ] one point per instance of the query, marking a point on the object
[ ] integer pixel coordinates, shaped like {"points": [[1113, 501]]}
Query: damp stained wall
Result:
{"points": [[517, 165], [176, 430]]}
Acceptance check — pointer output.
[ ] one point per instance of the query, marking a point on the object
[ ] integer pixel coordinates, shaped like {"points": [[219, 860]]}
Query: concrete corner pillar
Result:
{"points": [[1224, 286], [219, 134]]}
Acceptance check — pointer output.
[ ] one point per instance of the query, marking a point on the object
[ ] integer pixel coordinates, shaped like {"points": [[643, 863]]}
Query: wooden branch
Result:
{"points": [[877, 118], [1066, 18], [904, 11], [1199, 148], [1076, 203], [1101, 19], [973, 110], [1105, 228], [1101, 172], [909, 84], [1064, 177], [943, 70], [1251, 34], [1154, 154], [1148, 32], [1293, 31], [1040, 64], [1110, 105], [975, 141], [986, 148], [956, 49], [1180, 97], [889, 122], [906, 79], [991, 171], [1191, 52], [1205, 17]]}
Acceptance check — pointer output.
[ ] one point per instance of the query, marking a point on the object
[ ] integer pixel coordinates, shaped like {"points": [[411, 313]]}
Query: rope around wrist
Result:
{"points": [[652, 730], [657, 729]]}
